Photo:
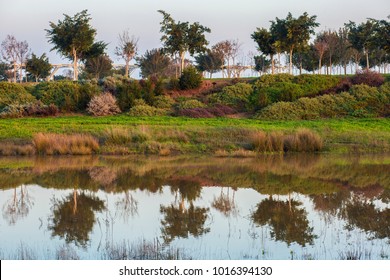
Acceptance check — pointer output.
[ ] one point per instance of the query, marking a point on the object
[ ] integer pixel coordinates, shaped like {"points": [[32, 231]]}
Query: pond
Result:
{"points": [[271, 207]]}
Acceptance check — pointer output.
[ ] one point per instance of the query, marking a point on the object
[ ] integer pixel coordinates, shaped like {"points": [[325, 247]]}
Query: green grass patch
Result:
{"points": [[203, 135]]}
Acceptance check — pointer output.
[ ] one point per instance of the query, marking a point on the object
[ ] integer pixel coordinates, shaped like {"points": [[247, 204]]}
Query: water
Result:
{"points": [[272, 207]]}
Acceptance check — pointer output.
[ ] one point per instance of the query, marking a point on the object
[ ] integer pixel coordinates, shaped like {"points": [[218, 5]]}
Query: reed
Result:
{"points": [[64, 144]]}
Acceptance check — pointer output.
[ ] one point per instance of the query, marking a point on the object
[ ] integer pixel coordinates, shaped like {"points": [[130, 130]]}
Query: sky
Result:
{"points": [[227, 19]]}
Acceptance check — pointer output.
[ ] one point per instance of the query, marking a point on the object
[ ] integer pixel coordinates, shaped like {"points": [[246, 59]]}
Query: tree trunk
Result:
{"points": [[21, 73], [291, 53], [368, 63], [15, 71], [75, 70], [319, 65], [345, 69], [127, 68], [182, 57], [272, 65]]}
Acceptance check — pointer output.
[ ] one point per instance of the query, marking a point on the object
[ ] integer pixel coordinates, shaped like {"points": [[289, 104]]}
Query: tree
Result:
{"points": [[5, 71], [383, 34], [39, 67], [265, 44], [229, 50], [344, 49], [15, 52], [155, 63], [332, 40], [293, 33], [73, 38], [211, 62], [321, 46], [99, 67], [362, 37], [182, 37], [262, 63], [126, 49]]}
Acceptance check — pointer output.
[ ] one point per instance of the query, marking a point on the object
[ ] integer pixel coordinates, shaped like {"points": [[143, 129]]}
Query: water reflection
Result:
{"points": [[18, 205], [73, 217], [210, 206]]}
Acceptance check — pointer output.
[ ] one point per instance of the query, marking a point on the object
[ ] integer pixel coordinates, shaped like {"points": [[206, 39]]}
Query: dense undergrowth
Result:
{"points": [[222, 118]]}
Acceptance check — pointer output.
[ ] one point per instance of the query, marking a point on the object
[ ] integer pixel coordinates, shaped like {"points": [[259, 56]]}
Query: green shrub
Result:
{"points": [[236, 96], [269, 80], [13, 94], [163, 102], [126, 93], [361, 101], [313, 84], [146, 111], [190, 78], [64, 94], [190, 104]]}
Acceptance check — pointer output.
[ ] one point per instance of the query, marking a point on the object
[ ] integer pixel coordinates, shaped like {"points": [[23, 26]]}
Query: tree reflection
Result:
{"points": [[179, 220], [18, 206], [127, 206], [364, 215], [225, 204], [287, 221], [74, 216]]}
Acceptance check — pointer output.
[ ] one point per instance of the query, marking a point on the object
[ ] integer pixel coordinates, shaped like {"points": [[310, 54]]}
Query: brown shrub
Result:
{"points": [[103, 105], [367, 77], [60, 144]]}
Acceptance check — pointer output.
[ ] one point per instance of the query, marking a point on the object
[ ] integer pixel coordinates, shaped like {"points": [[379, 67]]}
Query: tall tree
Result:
{"points": [[211, 62], [155, 63], [321, 46], [293, 33], [39, 67], [182, 37], [332, 40], [99, 66], [15, 52], [362, 37], [344, 49], [126, 49], [74, 38], [266, 44]]}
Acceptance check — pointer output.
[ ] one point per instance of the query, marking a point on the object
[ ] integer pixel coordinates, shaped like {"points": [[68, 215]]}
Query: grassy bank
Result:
{"points": [[221, 136]]}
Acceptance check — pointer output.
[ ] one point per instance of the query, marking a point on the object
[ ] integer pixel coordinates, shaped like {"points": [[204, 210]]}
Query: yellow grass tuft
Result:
{"points": [[62, 144]]}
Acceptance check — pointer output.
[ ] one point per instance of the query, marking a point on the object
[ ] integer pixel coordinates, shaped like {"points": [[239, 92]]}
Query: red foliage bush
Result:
{"points": [[367, 77]]}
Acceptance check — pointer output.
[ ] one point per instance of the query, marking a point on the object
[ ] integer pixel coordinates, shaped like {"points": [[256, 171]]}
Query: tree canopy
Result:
{"points": [[39, 67], [182, 37], [74, 38]]}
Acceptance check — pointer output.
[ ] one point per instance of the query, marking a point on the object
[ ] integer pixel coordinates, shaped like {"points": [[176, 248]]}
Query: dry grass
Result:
{"points": [[62, 144], [11, 149], [303, 140]]}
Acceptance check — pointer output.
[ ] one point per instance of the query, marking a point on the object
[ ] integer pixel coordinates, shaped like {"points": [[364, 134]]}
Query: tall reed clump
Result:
{"points": [[61, 144], [303, 140]]}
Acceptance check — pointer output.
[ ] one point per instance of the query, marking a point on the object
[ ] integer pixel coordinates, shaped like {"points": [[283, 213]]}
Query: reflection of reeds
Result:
{"points": [[62, 144], [141, 251], [11, 149]]}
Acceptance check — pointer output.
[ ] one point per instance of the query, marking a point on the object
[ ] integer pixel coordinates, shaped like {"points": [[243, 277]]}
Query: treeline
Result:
{"points": [[289, 42]]}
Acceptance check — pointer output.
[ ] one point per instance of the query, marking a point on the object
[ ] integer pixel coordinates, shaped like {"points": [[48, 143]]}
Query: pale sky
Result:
{"points": [[227, 19]]}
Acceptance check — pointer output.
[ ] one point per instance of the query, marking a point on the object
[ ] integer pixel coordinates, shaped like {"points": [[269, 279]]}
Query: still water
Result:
{"points": [[272, 207]]}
